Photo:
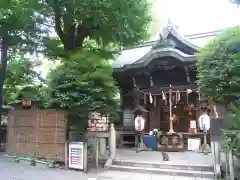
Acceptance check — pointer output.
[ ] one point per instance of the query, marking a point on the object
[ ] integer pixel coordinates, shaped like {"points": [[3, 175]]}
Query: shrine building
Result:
{"points": [[159, 78]]}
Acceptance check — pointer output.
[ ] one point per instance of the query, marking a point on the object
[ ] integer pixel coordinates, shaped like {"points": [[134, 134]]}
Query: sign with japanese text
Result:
{"points": [[75, 155]]}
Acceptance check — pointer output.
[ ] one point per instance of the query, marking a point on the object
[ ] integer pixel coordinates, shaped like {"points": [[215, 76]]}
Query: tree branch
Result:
{"points": [[84, 30], [3, 66], [82, 33], [57, 18]]}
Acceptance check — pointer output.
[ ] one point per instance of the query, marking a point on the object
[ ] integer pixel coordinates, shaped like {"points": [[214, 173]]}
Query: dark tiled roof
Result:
{"points": [[142, 53]]}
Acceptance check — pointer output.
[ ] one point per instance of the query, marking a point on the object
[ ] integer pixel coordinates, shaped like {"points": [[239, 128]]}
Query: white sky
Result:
{"points": [[195, 16]]}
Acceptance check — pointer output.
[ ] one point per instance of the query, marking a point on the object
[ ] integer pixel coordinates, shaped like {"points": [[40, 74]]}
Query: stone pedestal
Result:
{"points": [[102, 146], [112, 141]]}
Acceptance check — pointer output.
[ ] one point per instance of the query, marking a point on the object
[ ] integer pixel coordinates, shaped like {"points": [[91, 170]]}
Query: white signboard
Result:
{"points": [[194, 144], [75, 155]]}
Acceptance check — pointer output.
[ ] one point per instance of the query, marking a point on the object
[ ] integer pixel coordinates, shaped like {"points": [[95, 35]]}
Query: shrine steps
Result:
{"points": [[163, 168]]}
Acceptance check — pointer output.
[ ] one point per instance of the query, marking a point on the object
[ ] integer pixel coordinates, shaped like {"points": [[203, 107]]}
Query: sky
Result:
{"points": [[196, 16]]}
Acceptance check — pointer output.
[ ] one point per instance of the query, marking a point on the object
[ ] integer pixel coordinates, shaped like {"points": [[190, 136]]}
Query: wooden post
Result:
{"points": [[85, 156], [231, 165], [170, 111], [66, 155], [97, 149]]}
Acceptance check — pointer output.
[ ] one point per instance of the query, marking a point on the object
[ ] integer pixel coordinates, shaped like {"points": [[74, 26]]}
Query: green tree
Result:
{"points": [[120, 22], [89, 32], [82, 84], [20, 72], [219, 68], [219, 80], [33, 92], [19, 30], [231, 132]]}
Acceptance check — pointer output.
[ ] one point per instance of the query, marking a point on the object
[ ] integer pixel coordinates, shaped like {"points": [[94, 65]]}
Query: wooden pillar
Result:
{"points": [[121, 107]]}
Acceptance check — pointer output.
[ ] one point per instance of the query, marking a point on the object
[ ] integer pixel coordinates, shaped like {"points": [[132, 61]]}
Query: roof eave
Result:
{"points": [[159, 53], [182, 39]]}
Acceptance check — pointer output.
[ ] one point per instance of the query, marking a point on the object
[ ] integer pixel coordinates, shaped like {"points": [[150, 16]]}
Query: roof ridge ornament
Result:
{"points": [[171, 25], [167, 29]]}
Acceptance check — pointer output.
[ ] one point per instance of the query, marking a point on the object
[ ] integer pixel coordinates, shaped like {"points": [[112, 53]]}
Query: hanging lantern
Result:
{"points": [[139, 123], [204, 122], [26, 103]]}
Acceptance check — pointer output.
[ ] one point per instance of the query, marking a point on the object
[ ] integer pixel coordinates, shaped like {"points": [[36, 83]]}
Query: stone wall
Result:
{"points": [[37, 132]]}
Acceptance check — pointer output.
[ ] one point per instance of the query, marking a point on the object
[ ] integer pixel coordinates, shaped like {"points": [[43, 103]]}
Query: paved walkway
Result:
{"points": [[116, 175], [15, 171]]}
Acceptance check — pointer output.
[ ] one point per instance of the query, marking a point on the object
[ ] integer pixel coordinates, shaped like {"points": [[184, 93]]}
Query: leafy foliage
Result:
{"points": [[218, 80], [54, 49], [231, 132], [33, 92], [20, 31], [20, 23], [120, 22], [20, 73], [83, 83], [219, 68]]}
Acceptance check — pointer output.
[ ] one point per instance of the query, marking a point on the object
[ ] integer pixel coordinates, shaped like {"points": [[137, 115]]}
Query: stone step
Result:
{"points": [[120, 175], [172, 172], [164, 165]]}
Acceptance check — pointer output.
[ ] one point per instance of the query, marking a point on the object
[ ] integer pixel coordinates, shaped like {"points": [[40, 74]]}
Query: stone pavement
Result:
{"points": [[15, 171], [184, 158], [116, 175]]}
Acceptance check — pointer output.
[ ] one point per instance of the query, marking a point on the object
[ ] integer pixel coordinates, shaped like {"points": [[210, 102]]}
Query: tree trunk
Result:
{"points": [[3, 69]]}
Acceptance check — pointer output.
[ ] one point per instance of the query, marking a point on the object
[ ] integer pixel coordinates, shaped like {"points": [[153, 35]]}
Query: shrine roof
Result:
{"points": [[140, 54], [129, 56]]}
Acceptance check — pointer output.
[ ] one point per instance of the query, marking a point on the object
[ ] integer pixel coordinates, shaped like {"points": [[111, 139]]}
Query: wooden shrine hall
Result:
{"points": [[154, 72]]}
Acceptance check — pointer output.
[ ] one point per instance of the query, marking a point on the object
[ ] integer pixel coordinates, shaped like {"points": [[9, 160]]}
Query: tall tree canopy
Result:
{"points": [[20, 72], [88, 31], [82, 84], [122, 22], [219, 68], [219, 81], [19, 30]]}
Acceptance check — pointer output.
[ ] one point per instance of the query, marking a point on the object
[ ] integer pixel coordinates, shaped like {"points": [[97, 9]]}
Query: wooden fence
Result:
{"points": [[39, 133]]}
